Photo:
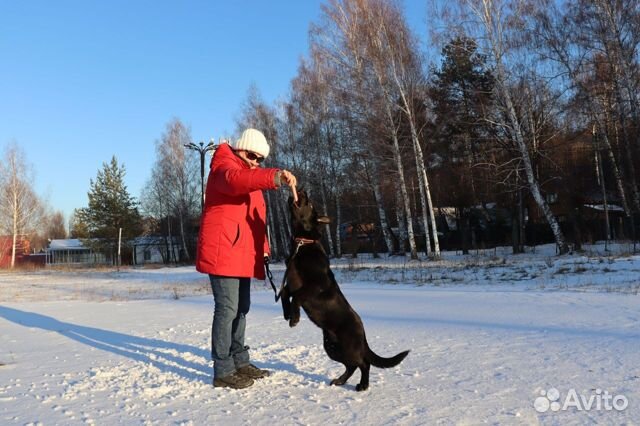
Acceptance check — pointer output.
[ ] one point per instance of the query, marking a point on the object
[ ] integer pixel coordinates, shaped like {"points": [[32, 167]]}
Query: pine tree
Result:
{"points": [[77, 228], [461, 98], [111, 207]]}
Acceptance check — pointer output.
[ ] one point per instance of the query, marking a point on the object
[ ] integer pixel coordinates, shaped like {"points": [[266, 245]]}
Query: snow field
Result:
{"points": [[133, 348]]}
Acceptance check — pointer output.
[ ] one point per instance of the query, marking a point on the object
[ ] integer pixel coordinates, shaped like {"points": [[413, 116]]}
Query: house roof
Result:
{"points": [[154, 240], [610, 207], [66, 244]]}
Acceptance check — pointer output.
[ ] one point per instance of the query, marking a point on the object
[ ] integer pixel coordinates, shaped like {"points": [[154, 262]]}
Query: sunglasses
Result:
{"points": [[252, 156]]}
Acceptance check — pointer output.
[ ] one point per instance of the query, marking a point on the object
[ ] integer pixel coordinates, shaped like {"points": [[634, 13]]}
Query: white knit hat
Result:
{"points": [[252, 140]]}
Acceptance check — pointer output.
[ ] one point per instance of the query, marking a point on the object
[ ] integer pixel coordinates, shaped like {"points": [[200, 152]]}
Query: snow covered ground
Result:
{"points": [[492, 337]]}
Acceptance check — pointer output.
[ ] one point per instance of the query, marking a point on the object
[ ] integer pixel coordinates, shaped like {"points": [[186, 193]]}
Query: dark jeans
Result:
{"points": [[232, 301]]}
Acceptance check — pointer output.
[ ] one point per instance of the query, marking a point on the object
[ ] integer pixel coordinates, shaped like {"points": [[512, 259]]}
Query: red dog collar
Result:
{"points": [[302, 241]]}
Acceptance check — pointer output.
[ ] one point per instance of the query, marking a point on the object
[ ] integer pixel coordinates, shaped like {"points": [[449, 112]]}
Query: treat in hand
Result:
{"points": [[290, 180]]}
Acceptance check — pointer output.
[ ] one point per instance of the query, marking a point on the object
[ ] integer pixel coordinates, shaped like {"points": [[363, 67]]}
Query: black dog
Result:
{"points": [[311, 284]]}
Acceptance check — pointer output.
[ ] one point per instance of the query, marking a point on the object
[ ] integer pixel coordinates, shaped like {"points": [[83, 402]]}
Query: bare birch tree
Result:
{"points": [[394, 56], [20, 207], [594, 45], [174, 187], [343, 42]]}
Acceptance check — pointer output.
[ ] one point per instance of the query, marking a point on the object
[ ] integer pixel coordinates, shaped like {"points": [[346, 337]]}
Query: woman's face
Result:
{"points": [[251, 158]]}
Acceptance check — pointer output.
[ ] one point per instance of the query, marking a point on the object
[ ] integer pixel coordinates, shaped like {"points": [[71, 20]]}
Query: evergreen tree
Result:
{"points": [[111, 207], [461, 98], [77, 228], [461, 95]]}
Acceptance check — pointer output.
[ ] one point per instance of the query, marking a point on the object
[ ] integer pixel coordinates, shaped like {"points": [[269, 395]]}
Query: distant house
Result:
{"points": [[156, 249], [361, 231], [73, 252]]}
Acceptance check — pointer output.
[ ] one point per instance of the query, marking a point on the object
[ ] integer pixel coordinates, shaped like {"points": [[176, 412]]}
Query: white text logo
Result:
{"points": [[599, 400]]}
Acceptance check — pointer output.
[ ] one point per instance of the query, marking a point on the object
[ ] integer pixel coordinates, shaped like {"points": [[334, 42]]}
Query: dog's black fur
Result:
{"points": [[311, 284]]}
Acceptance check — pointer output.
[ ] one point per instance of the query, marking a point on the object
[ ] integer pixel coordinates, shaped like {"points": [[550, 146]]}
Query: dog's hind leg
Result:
{"points": [[345, 376], [364, 378]]}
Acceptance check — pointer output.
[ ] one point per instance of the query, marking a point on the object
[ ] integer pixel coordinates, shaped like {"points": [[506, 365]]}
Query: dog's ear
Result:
{"points": [[324, 219]]}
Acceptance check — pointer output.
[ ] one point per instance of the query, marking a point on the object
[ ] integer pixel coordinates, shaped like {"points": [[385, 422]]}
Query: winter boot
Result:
{"points": [[252, 372], [233, 381]]}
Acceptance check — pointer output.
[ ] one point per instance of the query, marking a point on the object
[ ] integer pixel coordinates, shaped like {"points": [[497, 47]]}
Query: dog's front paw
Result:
{"points": [[337, 382], [362, 387], [293, 322]]}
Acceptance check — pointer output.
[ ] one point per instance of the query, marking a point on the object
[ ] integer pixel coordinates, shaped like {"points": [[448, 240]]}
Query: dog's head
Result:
{"points": [[305, 220]]}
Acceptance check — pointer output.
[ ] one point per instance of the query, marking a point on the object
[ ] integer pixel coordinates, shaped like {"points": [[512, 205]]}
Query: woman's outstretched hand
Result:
{"points": [[287, 177]]}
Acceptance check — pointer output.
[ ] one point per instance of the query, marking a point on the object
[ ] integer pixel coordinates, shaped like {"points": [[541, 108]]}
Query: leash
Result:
{"points": [[299, 243], [270, 276]]}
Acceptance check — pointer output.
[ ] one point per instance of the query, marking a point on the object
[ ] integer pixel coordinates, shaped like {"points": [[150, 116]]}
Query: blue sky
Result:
{"points": [[81, 80]]}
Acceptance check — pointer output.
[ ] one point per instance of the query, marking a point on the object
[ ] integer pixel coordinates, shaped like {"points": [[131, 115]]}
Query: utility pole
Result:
{"points": [[119, 260], [603, 188]]}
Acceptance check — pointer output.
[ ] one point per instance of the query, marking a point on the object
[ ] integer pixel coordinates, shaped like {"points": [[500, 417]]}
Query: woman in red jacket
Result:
{"points": [[231, 248]]}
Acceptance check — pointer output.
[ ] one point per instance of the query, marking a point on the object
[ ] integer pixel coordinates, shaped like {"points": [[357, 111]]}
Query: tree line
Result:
{"points": [[522, 124]]}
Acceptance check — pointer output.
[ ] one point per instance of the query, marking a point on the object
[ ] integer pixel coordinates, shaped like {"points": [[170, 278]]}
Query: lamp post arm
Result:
{"points": [[202, 150]]}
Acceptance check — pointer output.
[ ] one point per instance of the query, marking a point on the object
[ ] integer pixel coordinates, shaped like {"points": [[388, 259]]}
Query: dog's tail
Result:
{"points": [[380, 362]]}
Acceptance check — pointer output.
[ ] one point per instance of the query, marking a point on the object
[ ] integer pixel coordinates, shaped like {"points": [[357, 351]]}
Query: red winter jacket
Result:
{"points": [[232, 240]]}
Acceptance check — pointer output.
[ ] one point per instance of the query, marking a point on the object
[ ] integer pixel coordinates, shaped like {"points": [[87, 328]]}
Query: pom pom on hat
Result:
{"points": [[252, 140]]}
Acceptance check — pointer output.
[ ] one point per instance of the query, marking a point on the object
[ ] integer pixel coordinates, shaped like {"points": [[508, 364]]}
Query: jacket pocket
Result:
{"points": [[231, 231]]}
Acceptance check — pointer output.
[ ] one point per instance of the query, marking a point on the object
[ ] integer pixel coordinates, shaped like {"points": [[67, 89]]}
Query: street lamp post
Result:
{"points": [[202, 150]]}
